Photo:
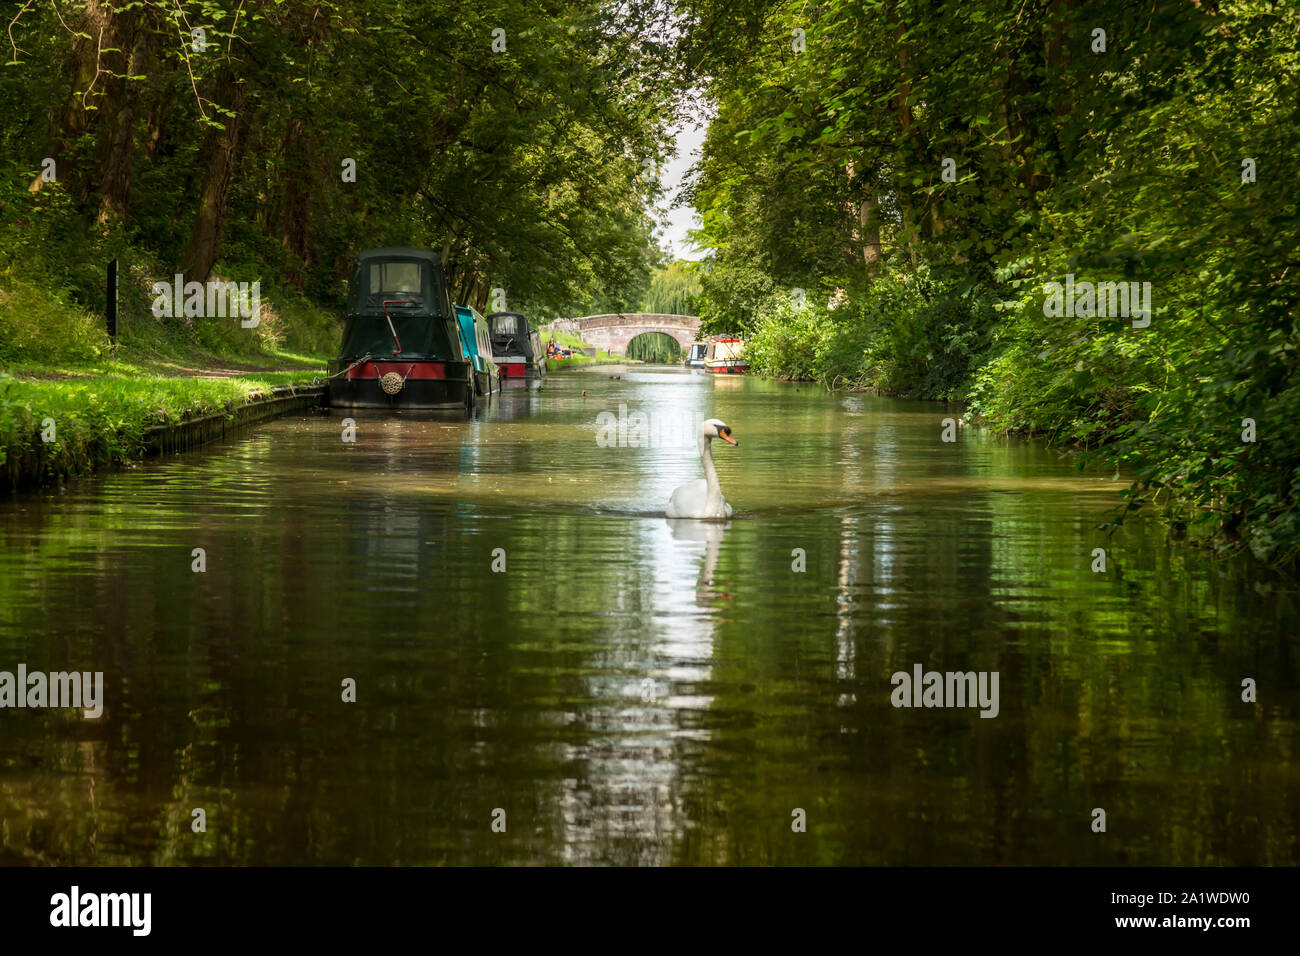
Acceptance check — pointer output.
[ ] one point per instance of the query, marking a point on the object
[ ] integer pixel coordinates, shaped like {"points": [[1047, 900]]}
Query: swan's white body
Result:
{"points": [[702, 498]]}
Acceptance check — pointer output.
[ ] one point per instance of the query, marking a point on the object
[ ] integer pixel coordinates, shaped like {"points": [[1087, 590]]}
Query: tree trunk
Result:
{"points": [[467, 290], [75, 119], [113, 178], [869, 230], [297, 163], [453, 232], [222, 148], [158, 112], [867, 234], [304, 28], [902, 106], [482, 291]]}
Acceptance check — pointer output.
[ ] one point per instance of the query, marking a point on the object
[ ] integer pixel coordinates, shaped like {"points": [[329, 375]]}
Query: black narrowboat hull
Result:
{"points": [[418, 384]]}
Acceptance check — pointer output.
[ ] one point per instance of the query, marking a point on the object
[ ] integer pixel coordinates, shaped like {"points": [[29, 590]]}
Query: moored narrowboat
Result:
{"points": [[476, 342], [725, 356], [401, 343], [695, 357], [517, 348]]}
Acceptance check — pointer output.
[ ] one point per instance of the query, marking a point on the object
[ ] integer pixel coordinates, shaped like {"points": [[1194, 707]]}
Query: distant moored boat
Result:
{"points": [[725, 355], [517, 348]]}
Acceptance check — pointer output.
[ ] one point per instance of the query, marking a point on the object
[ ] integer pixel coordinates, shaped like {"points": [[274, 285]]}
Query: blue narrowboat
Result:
{"points": [[476, 342]]}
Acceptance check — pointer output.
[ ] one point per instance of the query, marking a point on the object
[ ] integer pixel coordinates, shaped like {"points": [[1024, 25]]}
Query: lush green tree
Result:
{"points": [[925, 164], [508, 136], [674, 289]]}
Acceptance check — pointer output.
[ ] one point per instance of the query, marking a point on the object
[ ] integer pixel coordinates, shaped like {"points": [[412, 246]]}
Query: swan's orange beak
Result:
{"points": [[725, 435]]}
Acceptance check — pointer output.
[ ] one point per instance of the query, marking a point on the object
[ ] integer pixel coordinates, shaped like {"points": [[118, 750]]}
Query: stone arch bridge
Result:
{"points": [[612, 333]]}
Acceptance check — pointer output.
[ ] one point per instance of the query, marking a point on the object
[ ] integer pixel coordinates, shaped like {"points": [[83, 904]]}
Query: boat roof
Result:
{"points": [[397, 252]]}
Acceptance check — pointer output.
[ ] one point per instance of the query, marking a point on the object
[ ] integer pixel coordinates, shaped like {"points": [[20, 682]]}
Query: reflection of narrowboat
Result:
{"points": [[695, 357], [725, 355], [517, 348], [401, 346], [476, 341]]}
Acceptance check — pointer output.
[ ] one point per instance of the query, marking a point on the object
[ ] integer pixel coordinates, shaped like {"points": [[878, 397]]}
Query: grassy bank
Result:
{"points": [[71, 401], [91, 423], [568, 340]]}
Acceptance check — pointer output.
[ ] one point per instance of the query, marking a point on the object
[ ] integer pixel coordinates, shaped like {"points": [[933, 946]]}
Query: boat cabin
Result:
{"points": [[517, 347], [725, 355], [401, 344]]}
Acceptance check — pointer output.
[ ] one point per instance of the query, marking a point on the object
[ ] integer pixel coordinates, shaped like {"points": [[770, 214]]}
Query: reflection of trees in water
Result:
{"points": [[522, 690], [1104, 700]]}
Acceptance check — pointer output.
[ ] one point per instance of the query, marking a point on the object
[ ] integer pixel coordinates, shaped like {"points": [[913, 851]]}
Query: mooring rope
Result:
{"points": [[361, 361]]}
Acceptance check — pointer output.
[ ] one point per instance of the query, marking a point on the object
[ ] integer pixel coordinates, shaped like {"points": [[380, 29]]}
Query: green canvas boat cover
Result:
{"points": [[410, 284]]}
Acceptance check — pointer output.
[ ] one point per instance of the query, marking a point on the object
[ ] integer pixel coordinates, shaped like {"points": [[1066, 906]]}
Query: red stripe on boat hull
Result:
{"points": [[404, 369], [520, 369]]}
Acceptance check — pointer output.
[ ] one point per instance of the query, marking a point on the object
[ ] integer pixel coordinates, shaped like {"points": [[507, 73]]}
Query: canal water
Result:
{"points": [[548, 671]]}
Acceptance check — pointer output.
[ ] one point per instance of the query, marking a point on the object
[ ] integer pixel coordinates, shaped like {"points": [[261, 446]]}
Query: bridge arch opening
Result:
{"points": [[654, 347]]}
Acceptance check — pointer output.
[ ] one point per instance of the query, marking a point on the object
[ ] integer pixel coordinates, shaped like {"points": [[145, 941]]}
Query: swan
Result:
{"points": [[702, 498]]}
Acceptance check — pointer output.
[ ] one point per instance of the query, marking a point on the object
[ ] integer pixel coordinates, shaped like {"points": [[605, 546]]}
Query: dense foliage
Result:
{"points": [[1161, 153], [272, 139], [674, 289]]}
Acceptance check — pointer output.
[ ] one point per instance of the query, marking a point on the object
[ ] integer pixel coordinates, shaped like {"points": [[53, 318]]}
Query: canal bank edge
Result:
{"points": [[561, 365], [42, 463]]}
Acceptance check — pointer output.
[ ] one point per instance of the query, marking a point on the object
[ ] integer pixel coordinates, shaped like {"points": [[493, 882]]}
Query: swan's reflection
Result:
{"points": [[710, 534], [640, 737]]}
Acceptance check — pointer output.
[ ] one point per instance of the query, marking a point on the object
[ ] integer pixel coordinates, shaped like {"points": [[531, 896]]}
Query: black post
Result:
{"points": [[112, 301]]}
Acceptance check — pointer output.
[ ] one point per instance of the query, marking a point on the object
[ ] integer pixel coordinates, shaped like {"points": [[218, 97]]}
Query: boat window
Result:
{"points": [[395, 277], [505, 325]]}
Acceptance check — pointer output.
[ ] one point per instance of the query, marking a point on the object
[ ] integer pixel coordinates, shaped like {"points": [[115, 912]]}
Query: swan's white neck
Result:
{"points": [[714, 500]]}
